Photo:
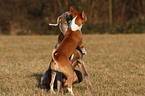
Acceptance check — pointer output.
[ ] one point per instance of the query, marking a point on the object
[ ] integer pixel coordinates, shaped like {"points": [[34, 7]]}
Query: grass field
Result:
{"points": [[116, 64]]}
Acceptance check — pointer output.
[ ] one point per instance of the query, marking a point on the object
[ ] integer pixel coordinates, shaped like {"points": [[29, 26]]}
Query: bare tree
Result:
{"points": [[110, 12]]}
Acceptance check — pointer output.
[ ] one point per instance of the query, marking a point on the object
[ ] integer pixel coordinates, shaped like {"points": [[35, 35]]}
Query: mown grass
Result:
{"points": [[116, 64]]}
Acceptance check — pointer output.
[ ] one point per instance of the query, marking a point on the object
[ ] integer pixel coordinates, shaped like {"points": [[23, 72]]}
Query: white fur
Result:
{"points": [[72, 56], [84, 51], [70, 90], [51, 89], [75, 27]]}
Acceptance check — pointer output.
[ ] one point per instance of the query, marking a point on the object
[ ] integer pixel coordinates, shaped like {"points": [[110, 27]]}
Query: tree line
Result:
{"points": [[22, 17]]}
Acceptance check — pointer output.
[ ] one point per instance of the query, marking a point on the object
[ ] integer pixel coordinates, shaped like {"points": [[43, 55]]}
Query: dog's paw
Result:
{"points": [[70, 90], [52, 92], [84, 51]]}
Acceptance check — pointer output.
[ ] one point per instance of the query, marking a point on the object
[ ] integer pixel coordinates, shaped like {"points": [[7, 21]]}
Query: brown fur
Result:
{"points": [[71, 40]]}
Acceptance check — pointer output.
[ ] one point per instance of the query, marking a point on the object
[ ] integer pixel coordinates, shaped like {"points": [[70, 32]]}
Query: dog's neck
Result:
{"points": [[75, 27]]}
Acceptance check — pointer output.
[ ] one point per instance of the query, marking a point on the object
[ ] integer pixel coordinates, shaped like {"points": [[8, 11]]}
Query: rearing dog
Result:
{"points": [[72, 39], [64, 21]]}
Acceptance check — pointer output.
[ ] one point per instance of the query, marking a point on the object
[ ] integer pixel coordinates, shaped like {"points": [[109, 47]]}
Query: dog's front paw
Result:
{"points": [[84, 51], [52, 92], [70, 90]]}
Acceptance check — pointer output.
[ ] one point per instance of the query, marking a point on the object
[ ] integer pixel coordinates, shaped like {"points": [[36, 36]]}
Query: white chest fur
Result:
{"points": [[75, 27]]}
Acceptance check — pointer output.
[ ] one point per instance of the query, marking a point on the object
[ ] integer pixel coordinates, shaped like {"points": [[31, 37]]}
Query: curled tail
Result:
{"points": [[54, 52]]}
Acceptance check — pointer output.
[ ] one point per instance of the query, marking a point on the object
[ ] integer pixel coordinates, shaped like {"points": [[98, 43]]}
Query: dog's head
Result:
{"points": [[68, 17], [80, 16]]}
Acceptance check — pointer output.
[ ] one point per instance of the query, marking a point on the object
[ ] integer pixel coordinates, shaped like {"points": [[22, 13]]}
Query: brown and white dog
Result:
{"points": [[64, 21], [72, 39]]}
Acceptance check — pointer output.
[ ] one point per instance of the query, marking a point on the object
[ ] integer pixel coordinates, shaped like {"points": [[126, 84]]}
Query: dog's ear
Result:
{"points": [[73, 12], [84, 16]]}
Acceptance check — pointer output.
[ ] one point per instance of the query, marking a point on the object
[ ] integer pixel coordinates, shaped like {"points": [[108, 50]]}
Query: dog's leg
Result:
{"points": [[70, 81], [59, 80], [85, 73], [74, 64], [58, 86], [68, 72], [74, 58], [70, 78], [53, 74], [70, 90]]}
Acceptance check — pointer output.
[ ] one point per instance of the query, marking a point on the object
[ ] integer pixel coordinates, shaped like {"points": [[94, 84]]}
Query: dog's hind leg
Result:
{"points": [[74, 64], [53, 74], [70, 90], [70, 78], [59, 81], [81, 64], [67, 70]]}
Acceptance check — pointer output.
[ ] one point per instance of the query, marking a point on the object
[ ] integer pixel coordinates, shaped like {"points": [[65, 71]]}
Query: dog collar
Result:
{"points": [[75, 27]]}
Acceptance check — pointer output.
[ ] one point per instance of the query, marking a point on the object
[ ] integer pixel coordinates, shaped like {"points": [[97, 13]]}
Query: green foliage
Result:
{"points": [[23, 17], [132, 26]]}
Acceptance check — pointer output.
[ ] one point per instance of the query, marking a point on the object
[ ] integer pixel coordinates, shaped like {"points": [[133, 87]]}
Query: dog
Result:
{"points": [[60, 79], [72, 39], [64, 21]]}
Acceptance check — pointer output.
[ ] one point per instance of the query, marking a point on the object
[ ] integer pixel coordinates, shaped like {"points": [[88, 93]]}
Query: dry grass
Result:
{"points": [[116, 64]]}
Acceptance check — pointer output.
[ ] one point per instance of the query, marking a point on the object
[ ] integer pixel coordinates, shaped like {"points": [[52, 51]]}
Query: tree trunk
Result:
{"points": [[110, 12]]}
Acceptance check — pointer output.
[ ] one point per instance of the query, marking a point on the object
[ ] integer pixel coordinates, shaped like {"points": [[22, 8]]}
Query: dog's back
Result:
{"points": [[69, 44]]}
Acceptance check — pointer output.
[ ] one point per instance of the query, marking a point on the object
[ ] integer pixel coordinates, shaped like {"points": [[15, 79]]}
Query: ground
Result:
{"points": [[116, 64]]}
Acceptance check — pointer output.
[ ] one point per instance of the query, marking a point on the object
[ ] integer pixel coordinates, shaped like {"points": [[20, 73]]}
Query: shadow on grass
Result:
{"points": [[65, 91], [80, 87], [38, 78]]}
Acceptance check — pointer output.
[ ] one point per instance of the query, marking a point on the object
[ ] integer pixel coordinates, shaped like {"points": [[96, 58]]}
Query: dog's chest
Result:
{"points": [[74, 27]]}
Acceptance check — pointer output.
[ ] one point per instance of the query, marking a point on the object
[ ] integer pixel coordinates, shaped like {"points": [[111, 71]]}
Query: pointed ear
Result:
{"points": [[71, 9], [83, 14], [72, 12]]}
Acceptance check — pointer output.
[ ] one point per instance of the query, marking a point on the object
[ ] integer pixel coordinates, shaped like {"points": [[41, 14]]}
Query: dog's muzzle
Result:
{"points": [[69, 18]]}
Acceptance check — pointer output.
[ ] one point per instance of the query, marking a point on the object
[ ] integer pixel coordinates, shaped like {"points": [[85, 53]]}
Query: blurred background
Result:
{"points": [[28, 17]]}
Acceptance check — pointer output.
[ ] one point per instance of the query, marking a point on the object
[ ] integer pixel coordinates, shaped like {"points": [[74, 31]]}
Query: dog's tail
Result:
{"points": [[58, 21], [54, 52]]}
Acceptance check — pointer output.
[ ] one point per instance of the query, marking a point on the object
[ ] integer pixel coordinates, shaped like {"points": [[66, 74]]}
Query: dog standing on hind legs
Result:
{"points": [[72, 39], [64, 21]]}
